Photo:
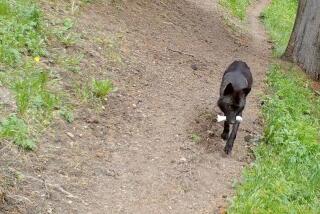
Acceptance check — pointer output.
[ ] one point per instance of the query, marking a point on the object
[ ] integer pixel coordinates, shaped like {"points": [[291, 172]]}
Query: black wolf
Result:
{"points": [[235, 86]]}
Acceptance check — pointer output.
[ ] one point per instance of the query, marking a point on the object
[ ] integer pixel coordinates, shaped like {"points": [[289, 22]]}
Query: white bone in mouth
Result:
{"points": [[221, 118]]}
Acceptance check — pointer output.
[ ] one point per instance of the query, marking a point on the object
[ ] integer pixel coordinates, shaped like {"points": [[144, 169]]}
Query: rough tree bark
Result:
{"points": [[304, 43]]}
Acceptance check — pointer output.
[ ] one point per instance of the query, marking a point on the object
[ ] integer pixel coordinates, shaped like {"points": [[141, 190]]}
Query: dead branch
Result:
{"points": [[55, 187], [19, 198], [180, 52]]}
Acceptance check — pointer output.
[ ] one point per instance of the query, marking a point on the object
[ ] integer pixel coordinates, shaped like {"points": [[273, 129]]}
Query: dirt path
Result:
{"points": [[139, 156]]}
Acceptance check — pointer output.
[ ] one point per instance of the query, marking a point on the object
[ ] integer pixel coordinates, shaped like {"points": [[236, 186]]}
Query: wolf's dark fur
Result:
{"points": [[235, 86]]}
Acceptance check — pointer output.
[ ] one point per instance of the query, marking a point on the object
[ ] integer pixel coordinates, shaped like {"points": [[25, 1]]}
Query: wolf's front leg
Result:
{"points": [[226, 130], [233, 135]]}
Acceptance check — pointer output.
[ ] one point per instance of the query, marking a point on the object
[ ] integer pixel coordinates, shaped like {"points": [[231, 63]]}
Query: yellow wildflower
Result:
{"points": [[37, 59]]}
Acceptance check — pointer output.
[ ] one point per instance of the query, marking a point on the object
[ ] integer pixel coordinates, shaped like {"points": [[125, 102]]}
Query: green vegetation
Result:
{"points": [[22, 45], [279, 18], [16, 130], [101, 88], [70, 62], [195, 138], [31, 87], [62, 31], [34, 87], [96, 90], [285, 177], [238, 8], [67, 115], [20, 31]]}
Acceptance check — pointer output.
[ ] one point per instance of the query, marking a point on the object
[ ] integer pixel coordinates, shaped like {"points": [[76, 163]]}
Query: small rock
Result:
{"points": [[211, 133], [70, 134], [49, 210], [111, 173], [183, 159], [92, 120], [194, 67], [99, 154]]}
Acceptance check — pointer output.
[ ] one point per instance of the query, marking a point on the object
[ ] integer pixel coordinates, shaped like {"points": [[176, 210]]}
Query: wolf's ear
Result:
{"points": [[228, 89], [246, 91]]}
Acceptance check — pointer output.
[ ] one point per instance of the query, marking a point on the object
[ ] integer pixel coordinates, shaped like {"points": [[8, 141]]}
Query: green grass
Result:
{"points": [[195, 138], [67, 115], [31, 88], [35, 97], [94, 91], [285, 178], [64, 33], [238, 8], [101, 88], [279, 18], [16, 130], [23, 42], [20, 31], [70, 62]]}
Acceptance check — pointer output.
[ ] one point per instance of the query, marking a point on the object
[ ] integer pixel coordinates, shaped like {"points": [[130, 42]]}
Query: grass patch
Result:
{"points": [[279, 18], [70, 62], [62, 30], [238, 8], [195, 138], [285, 177], [35, 96], [30, 85], [22, 43], [20, 31], [16, 130], [101, 88], [94, 91], [67, 115]]}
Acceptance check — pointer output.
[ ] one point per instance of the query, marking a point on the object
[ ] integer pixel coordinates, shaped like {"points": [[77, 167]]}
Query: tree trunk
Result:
{"points": [[304, 43]]}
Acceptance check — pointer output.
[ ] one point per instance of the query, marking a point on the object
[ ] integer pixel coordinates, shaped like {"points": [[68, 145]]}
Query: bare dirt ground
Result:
{"points": [[148, 151]]}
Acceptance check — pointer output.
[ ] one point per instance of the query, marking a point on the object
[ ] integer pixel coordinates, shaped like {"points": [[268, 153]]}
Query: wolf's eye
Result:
{"points": [[234, 106]]}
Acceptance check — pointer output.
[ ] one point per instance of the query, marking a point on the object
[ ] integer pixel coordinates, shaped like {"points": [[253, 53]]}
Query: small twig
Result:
{"points": [[5, 147], [56, 187], [19, 198], [169, 23], [74, 7], [163, 4], [69, 195], [317, 92], [180, 52]]}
